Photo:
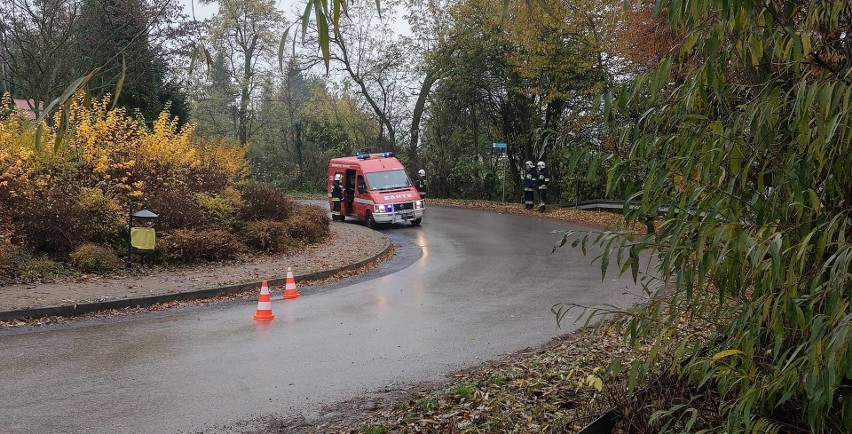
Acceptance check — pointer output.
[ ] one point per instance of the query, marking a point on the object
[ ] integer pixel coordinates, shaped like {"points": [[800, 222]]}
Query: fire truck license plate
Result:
{"points": [[408, 214]]}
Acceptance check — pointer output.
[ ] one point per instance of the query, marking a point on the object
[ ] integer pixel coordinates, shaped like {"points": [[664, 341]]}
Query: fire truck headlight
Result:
{"points": [[418, 204], [378, 208]]}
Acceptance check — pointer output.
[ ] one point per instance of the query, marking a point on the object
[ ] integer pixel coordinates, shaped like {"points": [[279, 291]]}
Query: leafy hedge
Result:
{"points": [[261, 203], [17, 264], [309, 224], [67, 195], [186, 246], [267, 236], [745, 135], [95, 259]]}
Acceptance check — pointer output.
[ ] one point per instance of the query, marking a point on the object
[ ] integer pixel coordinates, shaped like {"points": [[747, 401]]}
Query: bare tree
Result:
{"points": [[388, 68], [37, 52], [246, 32], [375, 62]]}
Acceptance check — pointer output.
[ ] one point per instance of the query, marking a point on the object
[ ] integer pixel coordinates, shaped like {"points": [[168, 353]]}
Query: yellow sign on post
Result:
{"points": [[143, 238]]}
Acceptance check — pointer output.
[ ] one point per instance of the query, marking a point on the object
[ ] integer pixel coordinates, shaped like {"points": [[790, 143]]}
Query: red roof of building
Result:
{"points": [[23, 107]]}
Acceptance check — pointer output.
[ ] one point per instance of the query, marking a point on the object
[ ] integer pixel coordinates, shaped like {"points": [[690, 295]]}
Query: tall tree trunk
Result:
{"points": [[298, 130], [417, 115], [245, 89], [242, 128]]}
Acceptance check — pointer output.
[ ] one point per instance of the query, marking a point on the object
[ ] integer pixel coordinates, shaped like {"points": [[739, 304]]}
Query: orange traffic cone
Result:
{"points": [[290, 290], [264, 304]]}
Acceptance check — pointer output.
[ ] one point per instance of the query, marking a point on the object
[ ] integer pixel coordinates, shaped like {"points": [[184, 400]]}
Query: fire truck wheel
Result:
{"points": [[371, 222], [416, 222]]}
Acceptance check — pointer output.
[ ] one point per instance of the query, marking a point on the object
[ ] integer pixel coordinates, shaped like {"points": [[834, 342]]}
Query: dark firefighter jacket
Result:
{"points": [[543, 179], [530, 178], [336, 192]]}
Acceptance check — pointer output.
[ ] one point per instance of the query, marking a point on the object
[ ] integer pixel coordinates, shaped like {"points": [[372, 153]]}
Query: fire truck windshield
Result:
{"points": [[388, 180]]}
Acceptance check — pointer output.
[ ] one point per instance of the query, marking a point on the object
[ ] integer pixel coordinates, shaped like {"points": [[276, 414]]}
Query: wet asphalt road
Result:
{"points": [[466, 287]]}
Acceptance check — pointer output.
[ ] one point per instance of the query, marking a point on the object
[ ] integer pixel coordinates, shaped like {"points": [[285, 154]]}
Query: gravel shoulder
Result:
{"points": [[347, 244]]}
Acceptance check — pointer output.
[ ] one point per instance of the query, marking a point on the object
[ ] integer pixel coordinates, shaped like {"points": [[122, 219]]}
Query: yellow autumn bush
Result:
{"points": [[104, 157]]}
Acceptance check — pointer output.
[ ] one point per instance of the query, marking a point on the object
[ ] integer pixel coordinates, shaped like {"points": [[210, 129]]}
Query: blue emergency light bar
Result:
{"points": [[361, 156]]}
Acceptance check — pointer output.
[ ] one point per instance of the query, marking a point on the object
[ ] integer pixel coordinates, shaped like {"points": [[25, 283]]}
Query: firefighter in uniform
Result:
{"points": [[530, 178], [421, 183], [543, 180], [336, 196]]}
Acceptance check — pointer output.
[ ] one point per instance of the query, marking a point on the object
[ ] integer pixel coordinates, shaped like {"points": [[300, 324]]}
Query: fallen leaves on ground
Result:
{"points": [[595, 219], [543, 390]]}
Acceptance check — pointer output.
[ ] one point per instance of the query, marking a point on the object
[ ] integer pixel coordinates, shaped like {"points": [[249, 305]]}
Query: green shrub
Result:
{"points": [[268, 236], [99, 219], [261, 203], [39, 269], [17, 264], [7, 253], [748, 295], [219, 210], [93, 258], [186, 246], [309, 223]]}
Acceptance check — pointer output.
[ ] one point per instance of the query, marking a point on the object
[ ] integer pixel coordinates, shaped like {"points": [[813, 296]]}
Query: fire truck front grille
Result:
{"points": [[403, 206]]}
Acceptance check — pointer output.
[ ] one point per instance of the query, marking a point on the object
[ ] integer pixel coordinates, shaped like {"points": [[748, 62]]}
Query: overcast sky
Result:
{"points": [[290, 8]]}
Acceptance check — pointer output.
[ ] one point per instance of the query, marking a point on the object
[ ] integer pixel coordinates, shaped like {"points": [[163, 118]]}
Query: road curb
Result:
{"points": [[83, 308]]}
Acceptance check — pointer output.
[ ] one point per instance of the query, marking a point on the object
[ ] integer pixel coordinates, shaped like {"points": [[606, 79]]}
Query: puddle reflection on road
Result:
{"points": [[262, 329]]}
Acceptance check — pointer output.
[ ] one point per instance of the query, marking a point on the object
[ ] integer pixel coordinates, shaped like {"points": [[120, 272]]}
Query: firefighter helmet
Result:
{"points": [[528, 164], [337, 177], [540, 164], [421, 172]]}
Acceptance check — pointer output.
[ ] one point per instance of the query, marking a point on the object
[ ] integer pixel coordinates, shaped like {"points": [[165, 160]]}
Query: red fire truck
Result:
{"points": [[376, 189]]}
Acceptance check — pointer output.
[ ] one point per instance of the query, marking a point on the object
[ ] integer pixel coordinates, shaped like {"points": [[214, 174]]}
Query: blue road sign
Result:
{"points": [[499, 145]]}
